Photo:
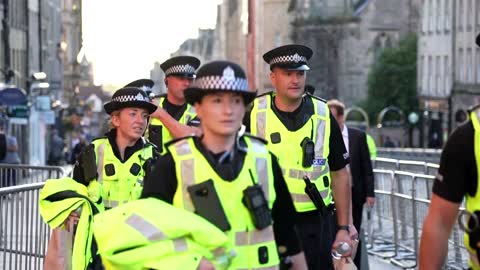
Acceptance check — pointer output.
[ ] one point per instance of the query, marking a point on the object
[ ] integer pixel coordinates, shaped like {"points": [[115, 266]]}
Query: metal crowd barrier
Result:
{"points": [[23, 234], [412, 166], [402, 201], [19, 174]]}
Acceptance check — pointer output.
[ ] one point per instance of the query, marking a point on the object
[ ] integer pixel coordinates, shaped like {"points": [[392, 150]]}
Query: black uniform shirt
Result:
{"points": [[338, 156], [111, 136], [175, 111], [163, 182], [457, 174]]}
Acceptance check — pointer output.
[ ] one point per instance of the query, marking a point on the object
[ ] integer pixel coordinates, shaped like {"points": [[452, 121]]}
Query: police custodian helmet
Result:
{"points": [[291, 57], [129, 97], [181, 66], [219, 76]]}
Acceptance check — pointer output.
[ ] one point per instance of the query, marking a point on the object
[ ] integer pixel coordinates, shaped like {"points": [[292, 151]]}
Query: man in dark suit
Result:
{"points": [[360, 167]]}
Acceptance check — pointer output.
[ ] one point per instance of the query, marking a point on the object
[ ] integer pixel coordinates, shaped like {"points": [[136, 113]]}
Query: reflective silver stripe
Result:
{"points": [[254, 237], [302, 197], [101, 155], [188, 179], [261, 116], [313, 175], [183, 148], [321, 108], [320, 138], [144, 227], [113, 203], [180, 245], [274, 267], [261, 166]]}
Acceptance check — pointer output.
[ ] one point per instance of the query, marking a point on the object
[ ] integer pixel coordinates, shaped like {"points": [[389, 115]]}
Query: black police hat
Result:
{"points": [[219, 76], [144, 84], [183, 66], [129, 97], [478, 40], [292, 57]]}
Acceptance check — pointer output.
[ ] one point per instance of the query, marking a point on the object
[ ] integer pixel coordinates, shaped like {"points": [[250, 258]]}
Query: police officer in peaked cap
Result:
{"points": [[121, 171], [144, 84], [307, 140], [174, 117], [233, 165]]}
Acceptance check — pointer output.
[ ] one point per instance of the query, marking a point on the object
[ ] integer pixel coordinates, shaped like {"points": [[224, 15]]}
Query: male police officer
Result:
{"points": [[309, 146], [458, 177], [227, 176], [173, 118]]}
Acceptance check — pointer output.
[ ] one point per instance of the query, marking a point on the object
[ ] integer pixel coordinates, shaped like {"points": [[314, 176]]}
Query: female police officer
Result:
{"points": [[230, 173], [121, 155]]}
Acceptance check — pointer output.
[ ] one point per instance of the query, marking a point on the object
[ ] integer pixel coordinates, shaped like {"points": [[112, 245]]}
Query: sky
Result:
{"points": [[123, 38]]}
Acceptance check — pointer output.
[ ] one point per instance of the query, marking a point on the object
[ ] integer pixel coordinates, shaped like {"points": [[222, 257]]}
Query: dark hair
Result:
{"points": [[337, 105]]}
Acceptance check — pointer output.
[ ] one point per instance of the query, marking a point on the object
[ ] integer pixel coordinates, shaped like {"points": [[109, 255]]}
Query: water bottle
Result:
{"points": [[340, 251]]}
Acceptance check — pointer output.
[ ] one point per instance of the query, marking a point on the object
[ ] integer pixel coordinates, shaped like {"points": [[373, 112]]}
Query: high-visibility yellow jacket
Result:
{"points": [[165, 134], [473, 203], [256, 249], [59, 198], [123, 183], [152, 234], [288, 149]]}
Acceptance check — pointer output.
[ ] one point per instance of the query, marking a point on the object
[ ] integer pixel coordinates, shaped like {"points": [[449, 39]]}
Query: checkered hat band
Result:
{"points": [[127, 98], [221, 83], [180, 69], [294, 58]]}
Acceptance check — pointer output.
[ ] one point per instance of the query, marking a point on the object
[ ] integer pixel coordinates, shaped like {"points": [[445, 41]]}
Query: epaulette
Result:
{"points": [[315, 97], [98, 138], [266, 93], [177, 139], [255, 137]]}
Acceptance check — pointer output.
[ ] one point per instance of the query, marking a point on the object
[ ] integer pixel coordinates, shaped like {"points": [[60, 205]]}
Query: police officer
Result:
{"points": [[174, 117], [308, 143], [228, 176], [458, 177], [122, 156], [144, 84]]}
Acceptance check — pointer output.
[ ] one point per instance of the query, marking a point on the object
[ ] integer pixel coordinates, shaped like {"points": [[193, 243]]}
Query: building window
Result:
{"points": [[446, 76], [437, 76], [431, 16], [429, 74], [469, 66], [425, 17], [419, 74], [460, 65], [469, 18], [460, 17], [448, 18]]}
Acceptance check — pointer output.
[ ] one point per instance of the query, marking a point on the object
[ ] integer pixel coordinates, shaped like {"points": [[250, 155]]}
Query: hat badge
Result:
{"points": [[296, 58], [228, 74], [139, 97]]}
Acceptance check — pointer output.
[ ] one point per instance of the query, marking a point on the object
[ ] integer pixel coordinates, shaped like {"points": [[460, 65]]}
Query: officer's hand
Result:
{"points": [[205, 265], [342, 236], [71, 220], [370, 201], [353, 232]]}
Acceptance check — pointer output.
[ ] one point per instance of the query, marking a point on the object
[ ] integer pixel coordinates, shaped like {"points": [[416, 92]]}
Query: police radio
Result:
{"points": [[257, 205], [87, 162], [314, 195], [308, 152]]}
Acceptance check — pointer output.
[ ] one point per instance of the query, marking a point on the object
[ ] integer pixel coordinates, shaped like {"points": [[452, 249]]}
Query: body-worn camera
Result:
{"points": [[257, 205], [308, 152], [88, 164]]}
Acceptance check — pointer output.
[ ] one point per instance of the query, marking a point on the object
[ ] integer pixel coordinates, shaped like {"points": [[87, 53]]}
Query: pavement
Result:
{"points": [[376, 263]]}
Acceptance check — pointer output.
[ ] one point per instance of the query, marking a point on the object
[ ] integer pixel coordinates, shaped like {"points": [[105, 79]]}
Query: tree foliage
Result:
{"points": [[393, 79]]}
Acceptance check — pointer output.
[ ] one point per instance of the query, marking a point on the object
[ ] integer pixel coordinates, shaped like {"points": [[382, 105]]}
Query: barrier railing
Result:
{"points": [[23, 234], [402, 201], [411, 166], [19, 174]]}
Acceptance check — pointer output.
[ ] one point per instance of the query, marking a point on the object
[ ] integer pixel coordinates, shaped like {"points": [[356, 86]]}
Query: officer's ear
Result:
{"points": [[166, 81]]}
